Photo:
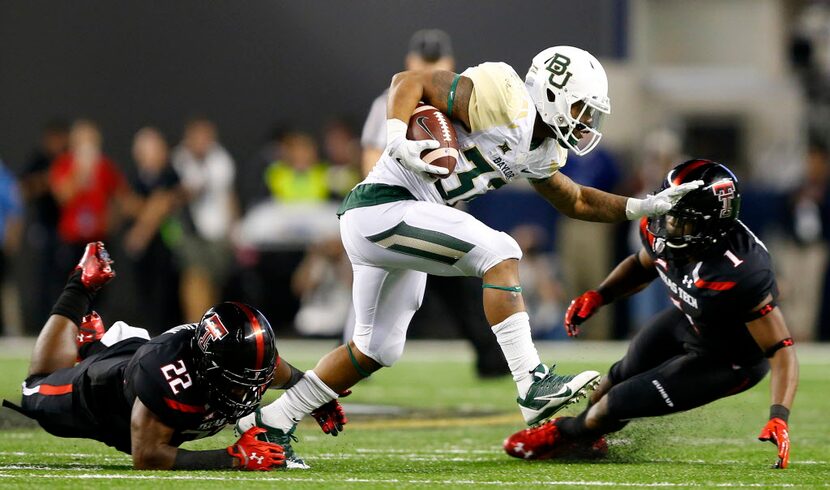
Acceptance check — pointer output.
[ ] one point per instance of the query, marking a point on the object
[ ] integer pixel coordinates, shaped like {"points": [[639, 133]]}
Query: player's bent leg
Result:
{"points": [[681, 383], [57, 344], [55, 347], [385, 301], [541, 392]]}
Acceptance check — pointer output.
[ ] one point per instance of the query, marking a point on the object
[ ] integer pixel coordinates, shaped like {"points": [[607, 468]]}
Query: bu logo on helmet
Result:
{"points": [[725, 192], [214, 330], [558, 66]]}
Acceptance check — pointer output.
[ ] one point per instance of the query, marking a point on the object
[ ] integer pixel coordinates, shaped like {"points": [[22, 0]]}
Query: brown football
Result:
{"points": [[428, 123]]}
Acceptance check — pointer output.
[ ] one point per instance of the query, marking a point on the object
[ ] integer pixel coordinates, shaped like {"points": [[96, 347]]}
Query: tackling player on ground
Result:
{"points": [[398, 224], [147, 396], [719, 339]]}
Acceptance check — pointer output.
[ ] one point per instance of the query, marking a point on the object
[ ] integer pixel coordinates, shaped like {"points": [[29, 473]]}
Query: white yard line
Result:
{"points": [[235, 478]]}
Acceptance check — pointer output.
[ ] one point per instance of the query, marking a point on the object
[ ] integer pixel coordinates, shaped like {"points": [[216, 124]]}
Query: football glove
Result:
{"points": [[581, 309], [776, 432], [408, 152], [659, 203], [256, 455], [331, 416]]}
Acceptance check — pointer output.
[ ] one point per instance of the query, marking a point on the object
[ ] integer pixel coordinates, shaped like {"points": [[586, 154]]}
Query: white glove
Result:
{"points": [[660, 203], [408, 152]]}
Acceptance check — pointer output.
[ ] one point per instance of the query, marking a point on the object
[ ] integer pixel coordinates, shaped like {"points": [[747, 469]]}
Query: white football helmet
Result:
{"points": [[561, 77]]}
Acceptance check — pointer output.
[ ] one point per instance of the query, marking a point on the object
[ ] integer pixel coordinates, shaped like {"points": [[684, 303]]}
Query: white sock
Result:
{"points": [[513, 335], [297, 402]]}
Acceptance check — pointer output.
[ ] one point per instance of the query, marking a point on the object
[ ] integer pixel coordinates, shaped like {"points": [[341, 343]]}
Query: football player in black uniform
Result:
{"points": [[720, 338], [147, 396]]}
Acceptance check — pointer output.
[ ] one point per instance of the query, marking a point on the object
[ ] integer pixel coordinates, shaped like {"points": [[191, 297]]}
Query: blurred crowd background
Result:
{"points": [[208, 144]]}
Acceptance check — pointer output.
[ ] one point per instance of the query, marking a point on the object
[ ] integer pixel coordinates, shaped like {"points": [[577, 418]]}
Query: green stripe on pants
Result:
{"points": [[421, 242]]}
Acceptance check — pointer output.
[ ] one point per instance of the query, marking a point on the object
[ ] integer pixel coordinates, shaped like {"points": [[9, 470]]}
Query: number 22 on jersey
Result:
{"points": [[177, 376]]}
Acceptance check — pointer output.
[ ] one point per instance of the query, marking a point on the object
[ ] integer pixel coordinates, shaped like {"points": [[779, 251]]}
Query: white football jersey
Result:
{"points": [[495, 151]]}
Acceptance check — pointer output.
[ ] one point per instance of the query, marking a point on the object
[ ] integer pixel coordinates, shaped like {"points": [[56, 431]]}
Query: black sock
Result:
{"points": [[90, 349], [74, 302], [574, 427]]}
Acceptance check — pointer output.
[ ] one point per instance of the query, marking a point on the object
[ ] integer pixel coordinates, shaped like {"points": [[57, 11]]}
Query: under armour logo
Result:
{"points": [[519, 448], [687, 281], [258, 459]]}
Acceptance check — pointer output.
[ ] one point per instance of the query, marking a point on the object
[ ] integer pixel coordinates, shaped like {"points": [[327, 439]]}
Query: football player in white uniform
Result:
{"points": [[398, 225]]}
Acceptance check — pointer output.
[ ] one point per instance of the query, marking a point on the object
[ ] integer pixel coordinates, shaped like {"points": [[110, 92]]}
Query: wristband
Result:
{"points": [[395, 128], [214, 459], [633, 208], [779, 412]]}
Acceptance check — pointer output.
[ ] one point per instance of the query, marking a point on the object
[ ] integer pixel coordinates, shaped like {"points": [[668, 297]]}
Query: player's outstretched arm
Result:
{"points": [[581, 202], [770, 331], [630, 276], [589, 204], [151, 449]]}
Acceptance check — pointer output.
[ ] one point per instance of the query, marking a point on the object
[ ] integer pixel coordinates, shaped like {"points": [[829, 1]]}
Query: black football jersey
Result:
{"points": [[162, 376], [718, 292]]}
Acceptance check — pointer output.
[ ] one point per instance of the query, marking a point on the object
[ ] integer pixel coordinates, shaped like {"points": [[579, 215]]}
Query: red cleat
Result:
{"points": [[546, 442], [95, 266], [538, 442], [90, 330]]}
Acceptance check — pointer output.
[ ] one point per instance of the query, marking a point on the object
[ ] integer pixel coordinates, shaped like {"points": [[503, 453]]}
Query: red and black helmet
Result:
{"points": [[701, 219], [235, 354]]}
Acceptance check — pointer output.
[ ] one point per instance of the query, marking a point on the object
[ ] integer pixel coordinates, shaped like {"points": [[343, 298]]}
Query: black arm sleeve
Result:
{"points": [[296, 376], [214, 459]]}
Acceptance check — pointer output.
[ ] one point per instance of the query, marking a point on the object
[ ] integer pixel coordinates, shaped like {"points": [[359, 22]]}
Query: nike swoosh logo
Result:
{"points": [[564, 392], [420, 122]]}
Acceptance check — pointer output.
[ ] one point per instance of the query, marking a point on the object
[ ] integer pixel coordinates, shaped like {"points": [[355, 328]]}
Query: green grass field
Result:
{"points": [[429, 422]]}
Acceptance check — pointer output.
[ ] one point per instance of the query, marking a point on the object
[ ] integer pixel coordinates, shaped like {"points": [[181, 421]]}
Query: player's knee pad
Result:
{"points": [[385, 351], [499, 247]]}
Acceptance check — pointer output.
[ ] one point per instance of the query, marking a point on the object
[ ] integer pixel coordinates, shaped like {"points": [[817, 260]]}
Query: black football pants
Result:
{"points": [[659, 376]]}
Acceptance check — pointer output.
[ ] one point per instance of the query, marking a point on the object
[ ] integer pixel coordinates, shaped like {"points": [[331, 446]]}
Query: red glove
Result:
{"points": [[776, 431], [581, 309], [254, 454], [331, 416]]}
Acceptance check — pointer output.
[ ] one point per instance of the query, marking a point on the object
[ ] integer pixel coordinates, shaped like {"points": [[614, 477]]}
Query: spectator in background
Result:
{"points": [[251, 183], [299, 176], [11, 227], [207, 174], [544, 296], [589, 246], [802, 262], [342, 150], [87, 186], [662, 151], [157, 184], [323, 283], [458, 299], [428, 49], [42, 231]]}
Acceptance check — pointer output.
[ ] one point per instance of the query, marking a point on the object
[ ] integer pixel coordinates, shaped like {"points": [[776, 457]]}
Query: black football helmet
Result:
{"points": [[700, 220], [235, 354]]}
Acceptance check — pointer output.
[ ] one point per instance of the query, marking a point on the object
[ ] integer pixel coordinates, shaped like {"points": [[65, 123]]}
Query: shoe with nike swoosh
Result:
{"points": [[551, 392]]}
